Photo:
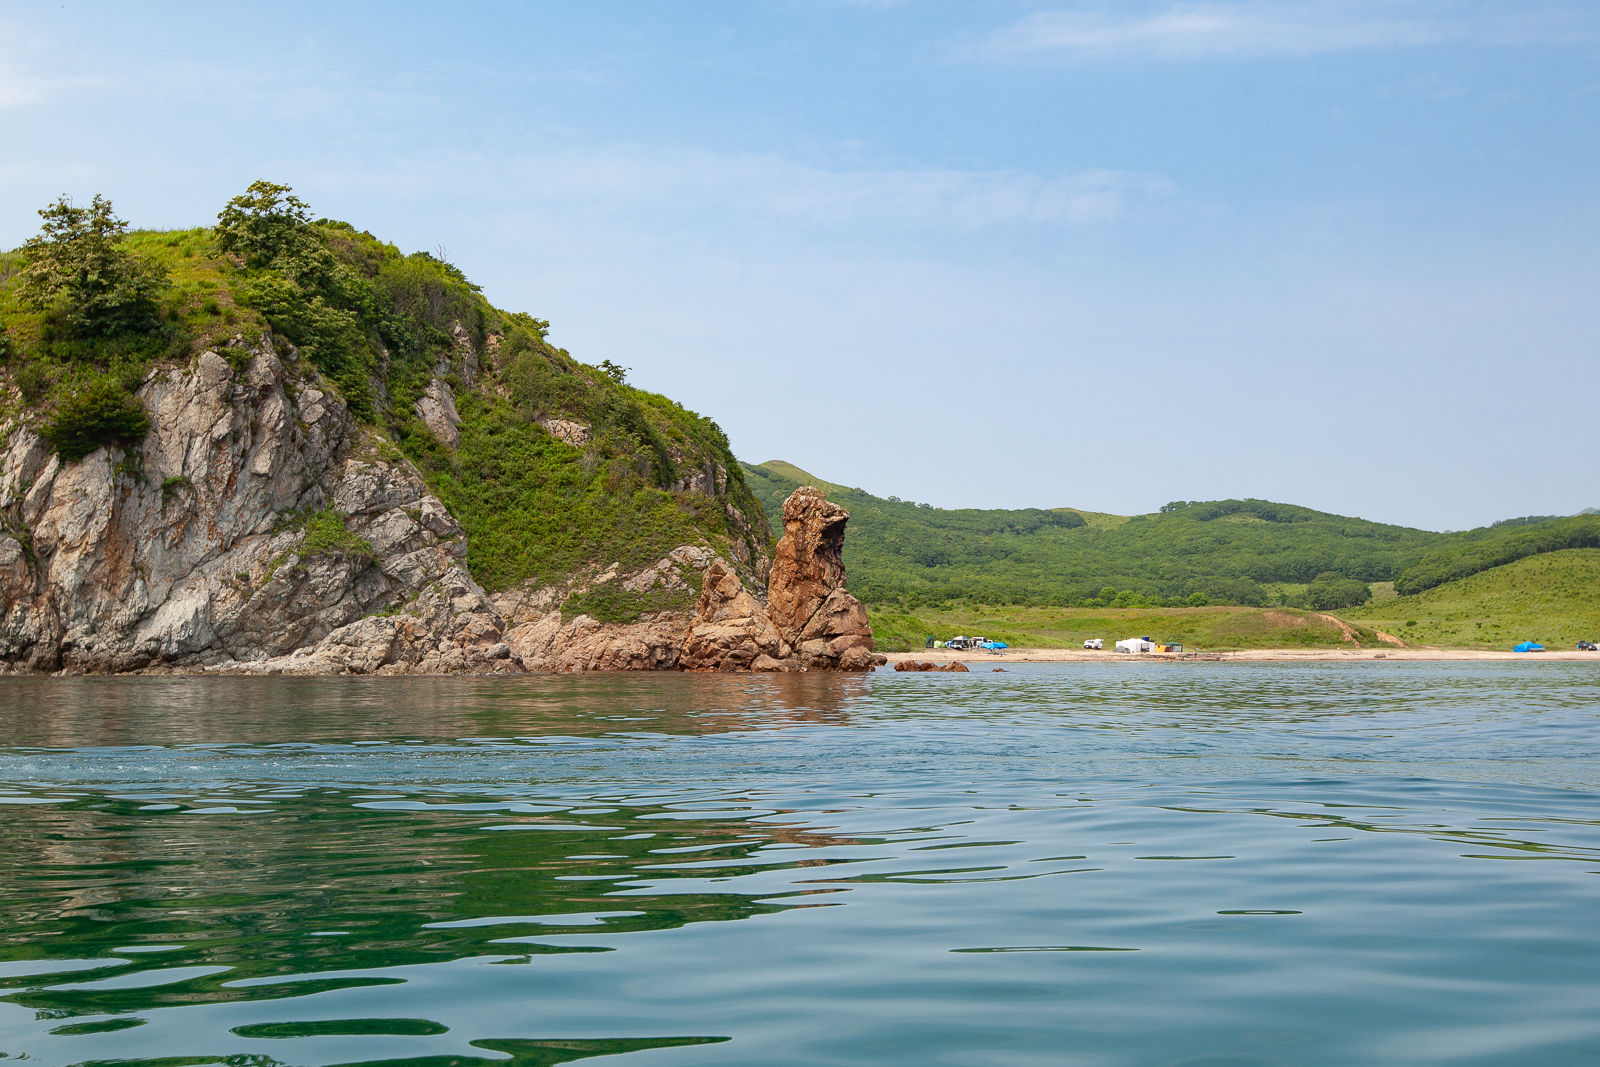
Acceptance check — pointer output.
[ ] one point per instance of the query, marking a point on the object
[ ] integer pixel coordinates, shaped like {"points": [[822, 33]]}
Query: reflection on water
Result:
{"points": [[1109, 865], [81, 712]]}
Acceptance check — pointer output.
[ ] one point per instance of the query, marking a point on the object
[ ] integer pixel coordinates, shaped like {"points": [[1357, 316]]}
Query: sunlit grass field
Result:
{"points": [[1553, 599]]}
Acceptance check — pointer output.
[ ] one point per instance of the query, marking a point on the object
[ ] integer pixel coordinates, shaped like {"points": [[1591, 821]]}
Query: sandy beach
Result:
{"points": [[976, 660]]}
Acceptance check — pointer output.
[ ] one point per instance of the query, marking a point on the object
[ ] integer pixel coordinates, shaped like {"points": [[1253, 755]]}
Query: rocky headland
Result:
{"points": [[311, 454]]}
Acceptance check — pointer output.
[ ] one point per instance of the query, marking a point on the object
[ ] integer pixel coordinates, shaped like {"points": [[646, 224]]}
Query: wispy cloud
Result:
{"points": [[761, 189], [23, 84], [1186, 30]]}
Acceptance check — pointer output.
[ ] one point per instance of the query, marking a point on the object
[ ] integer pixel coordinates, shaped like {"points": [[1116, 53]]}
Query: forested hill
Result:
{"points": [[1222, 551]]}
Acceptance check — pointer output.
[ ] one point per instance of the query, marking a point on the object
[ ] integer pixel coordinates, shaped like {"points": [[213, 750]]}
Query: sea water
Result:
{"points": [[1097, 864]]}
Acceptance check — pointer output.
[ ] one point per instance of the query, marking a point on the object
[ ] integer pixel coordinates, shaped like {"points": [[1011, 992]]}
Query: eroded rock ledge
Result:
{"points": [[809, 621]]}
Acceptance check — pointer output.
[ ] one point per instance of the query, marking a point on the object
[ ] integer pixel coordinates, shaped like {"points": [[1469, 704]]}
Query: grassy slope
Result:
{"points": [[533, 506], [1552, 598], [903, 552], [1494, 546], [1213, 628]]}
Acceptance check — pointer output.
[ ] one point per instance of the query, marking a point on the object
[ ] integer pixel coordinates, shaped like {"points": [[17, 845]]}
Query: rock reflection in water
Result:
{"points": [[87, 712]]}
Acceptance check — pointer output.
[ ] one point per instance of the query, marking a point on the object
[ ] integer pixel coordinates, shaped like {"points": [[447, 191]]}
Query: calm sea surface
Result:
{"points": [[1141, 864]]}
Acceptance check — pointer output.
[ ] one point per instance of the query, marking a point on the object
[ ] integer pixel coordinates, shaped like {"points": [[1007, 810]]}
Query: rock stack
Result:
{"points": [[810, 621]]}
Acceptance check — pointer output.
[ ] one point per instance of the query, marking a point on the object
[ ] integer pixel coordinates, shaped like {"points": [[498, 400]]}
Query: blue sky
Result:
{"points": [[993, 254]]}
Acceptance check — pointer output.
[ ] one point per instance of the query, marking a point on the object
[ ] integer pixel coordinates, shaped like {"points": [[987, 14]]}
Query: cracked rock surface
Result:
{"points": [[187, 551]]}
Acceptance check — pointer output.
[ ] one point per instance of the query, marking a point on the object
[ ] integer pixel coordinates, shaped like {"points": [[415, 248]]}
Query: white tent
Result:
{"points": [[1135, 644]]}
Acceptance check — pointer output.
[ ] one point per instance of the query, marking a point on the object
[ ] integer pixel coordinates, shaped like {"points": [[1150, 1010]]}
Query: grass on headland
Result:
{"points": [[1553, 599], [1211, 628]]}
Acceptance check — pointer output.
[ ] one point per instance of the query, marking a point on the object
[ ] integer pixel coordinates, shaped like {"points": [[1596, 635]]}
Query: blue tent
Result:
{"points": [[1528, 646]]}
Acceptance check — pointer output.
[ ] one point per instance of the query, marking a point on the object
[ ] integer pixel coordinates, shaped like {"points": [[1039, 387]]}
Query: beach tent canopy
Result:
{"points": [[1135, 644], [1528, 646]]}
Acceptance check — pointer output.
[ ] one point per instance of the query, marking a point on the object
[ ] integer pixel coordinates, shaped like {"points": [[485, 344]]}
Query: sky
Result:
{"points": [[984, 254]]}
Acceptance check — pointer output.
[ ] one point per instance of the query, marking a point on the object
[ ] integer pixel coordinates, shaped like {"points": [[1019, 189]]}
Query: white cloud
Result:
{"points": [[1188, 29], [765, 189], [22, 85]]}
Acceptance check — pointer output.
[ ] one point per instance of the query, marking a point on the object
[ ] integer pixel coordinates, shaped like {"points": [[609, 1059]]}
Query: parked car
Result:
{"points": [[1588, 646], [1095, 643]]}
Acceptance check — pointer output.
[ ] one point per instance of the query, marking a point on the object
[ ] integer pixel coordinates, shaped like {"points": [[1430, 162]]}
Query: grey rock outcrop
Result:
{"points": [[575, 434], [190, 550], [258, 529], [436, 407]]}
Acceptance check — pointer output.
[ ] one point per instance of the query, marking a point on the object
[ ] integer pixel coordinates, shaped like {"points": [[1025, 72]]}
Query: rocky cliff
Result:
{"points": [[253, 524], [309, 453], [258, 528]]}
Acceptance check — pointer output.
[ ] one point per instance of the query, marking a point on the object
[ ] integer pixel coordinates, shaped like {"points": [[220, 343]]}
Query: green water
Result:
{"points": [[1155, 864]]}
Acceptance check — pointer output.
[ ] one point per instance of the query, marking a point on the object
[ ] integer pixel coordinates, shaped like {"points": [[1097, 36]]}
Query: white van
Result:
{"points": [[1094, 643]]}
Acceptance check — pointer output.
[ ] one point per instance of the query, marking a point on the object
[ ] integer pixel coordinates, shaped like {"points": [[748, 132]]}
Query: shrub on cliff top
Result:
{"points": [[264, 223], [77, 269], [100, 413]]}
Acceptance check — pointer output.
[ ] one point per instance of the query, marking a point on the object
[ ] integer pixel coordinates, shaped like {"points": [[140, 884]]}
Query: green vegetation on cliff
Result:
{"points": [[89, 309]]}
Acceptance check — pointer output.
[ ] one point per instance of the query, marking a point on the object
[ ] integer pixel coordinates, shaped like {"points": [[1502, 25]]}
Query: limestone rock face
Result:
{"points": [[806, 598], [189, 550], [575, 434], [194, 550], [436, 407], [731, 631]]}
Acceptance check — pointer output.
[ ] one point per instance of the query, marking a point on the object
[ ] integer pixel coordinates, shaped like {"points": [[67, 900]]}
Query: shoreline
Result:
{"points": [[1257, 655]]}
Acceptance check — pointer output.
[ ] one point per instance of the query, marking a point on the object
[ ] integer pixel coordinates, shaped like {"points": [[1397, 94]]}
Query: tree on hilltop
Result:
{"points": [[77, 270], [263, 224]]}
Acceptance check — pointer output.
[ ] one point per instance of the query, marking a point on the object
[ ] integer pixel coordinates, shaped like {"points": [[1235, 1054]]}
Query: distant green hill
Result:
{"points": [[1552, 598], [1493, 546], [1212, 551]]}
